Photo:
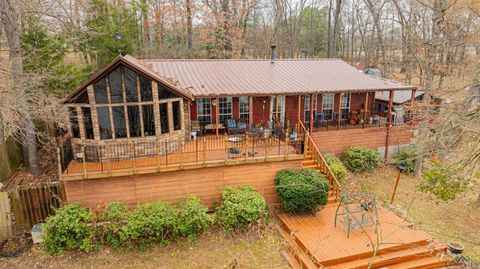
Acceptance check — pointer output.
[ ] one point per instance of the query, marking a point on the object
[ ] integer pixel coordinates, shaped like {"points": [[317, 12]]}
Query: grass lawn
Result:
{"points": [[457, 220], [254, 248]]}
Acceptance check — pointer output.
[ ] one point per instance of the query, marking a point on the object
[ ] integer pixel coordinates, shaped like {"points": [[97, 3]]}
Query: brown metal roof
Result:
{"points": [[260, 77]]}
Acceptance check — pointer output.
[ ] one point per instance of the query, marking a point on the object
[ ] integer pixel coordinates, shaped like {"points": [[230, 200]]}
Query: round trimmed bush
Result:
{"points": [[336, 165], [149, 222], [302, 190], [192, 217], [361, 159], [68, 229], [240, 207]]}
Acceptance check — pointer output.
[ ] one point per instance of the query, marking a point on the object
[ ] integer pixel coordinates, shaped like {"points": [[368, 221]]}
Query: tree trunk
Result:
{"points": [[329, 29], [189, 28], [433, 49], [333, 39], [10, 19], [145, 28]]}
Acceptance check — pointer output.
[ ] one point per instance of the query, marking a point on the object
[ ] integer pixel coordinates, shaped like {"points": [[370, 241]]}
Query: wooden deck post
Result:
{"points": [[389, 123], [412, 99], [276, 110], [365, 110], [250, 110], [299, 111], [158, 155], [216, 115], [339, 111], [133, 158], [204, 152], [181, 155], [84, 164], [59, 158], [311, 113]]}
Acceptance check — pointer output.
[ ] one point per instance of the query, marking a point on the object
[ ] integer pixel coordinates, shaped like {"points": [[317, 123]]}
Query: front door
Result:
{"points": [[281, 109]]}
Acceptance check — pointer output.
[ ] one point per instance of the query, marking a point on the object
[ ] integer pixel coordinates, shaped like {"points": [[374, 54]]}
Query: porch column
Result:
{"points": [[216, 115], [339, 111], [311, 113], [250, 110], [365, 109], [299, 110], [389, 123], [276, 109], [412, 99]]}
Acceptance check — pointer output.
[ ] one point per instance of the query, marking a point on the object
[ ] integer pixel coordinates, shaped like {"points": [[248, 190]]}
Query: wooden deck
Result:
{"points": [[319, 243], [210, 151]]}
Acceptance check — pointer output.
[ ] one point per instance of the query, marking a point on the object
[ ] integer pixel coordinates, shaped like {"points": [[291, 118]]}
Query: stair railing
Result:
{"points": [[321, 163]]}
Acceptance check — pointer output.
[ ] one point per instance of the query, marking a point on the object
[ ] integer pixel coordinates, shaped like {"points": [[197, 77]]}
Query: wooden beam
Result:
{"points": [[365, 110], [276, 109], [339, 110], [311, 113], [216, 116], [250, 110], [412, 99], [389, 123], [299, 110]]}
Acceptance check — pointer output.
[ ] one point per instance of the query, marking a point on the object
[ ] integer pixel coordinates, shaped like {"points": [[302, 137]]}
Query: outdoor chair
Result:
{"points": [[320, 120], [234, 128], [357, 210], [196, 128]]}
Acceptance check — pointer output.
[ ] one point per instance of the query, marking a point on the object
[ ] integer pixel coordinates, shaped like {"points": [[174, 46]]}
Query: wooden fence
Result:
{"points": [[25, 206], [10, 158]]}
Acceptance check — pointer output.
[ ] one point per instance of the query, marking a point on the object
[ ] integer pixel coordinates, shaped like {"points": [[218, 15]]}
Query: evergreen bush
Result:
{"points": [[337, 167], [115, 216], [192, 217], [361, 159], [240, 207], [408, 155], [302, 190]]}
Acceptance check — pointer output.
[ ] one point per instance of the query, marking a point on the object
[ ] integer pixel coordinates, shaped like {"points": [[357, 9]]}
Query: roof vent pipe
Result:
{"points": [[272, 58], [303, 54]]}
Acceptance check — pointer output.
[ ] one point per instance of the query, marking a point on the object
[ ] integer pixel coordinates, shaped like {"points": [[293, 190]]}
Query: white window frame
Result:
{"points": [[345, 105], [328, 104], [244, 108], [306, 110], [201, 112], [225, 109]]}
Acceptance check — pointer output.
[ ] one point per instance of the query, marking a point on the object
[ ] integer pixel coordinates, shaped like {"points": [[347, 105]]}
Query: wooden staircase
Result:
{"points": [[415, 255]]}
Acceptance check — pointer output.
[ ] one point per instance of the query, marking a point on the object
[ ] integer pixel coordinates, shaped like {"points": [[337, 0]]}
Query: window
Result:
{"points": [[118, 113], [130, 85], [82, 98], [148, 120], [244, 107], [163, 93], [281, 108], [87, 122], [224, 108], [204, 110], [164, 118], [145, 89], [177, 115], [104, 123], [100, 91], [345, 106], [134, 121], [307, 107], [74, 122], [327, 105], [115, 82]]}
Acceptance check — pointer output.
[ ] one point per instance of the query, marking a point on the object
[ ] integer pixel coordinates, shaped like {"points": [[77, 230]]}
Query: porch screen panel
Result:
{"points": [[224, 108], [100, 91], [163, 93], [204, 110], [164, 118], [87, 122], [244, 107], [130, 85], [74, 122], [118, 113], [134, 121], [327, 105], [307, 107], [148, 120], [104, 123], [345, 106], [115, 82], [177, 115], [145, 89]]}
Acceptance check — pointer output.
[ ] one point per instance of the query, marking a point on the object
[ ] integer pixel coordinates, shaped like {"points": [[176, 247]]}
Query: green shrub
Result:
{"points": [[192, 217], [302, 190], [68, 229], [115, 216], [407, 154], [150, 222], [361, 159], [240, 207], [336, 165], [443, 182]]}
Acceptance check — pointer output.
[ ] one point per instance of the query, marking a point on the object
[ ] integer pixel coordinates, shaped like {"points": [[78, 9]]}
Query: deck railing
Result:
{"points": [[139, 157], [321, 163]]}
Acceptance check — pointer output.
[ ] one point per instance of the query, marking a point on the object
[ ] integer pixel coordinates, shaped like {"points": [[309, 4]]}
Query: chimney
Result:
{"points": [[303, 54], [272, 58]]}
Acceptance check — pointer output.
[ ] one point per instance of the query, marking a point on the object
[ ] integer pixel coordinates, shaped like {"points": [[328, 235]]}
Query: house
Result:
{"points": [[136, 121]]}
